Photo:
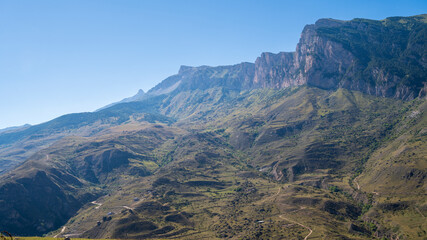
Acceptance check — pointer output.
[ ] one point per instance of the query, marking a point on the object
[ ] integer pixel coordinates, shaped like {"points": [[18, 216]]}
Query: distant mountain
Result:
{"points": [[11, 129], [325, 142], [137, 97]]}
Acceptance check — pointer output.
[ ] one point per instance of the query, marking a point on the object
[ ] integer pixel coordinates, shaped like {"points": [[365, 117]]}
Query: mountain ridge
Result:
{"points": [[137, 97], [319, 53], [296, 68]]}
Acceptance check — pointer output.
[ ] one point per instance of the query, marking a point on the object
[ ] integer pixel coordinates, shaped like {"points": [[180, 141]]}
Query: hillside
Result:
{"points": [[325, 142]]}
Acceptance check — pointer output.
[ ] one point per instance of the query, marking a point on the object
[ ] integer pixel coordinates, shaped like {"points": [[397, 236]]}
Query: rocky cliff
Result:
{"points": [[234, 77], [385, 58]]}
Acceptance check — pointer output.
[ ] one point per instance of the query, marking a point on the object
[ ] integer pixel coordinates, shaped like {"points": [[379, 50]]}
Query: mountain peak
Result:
{"points": [[137, 97], [184, 68], [329, 22]]}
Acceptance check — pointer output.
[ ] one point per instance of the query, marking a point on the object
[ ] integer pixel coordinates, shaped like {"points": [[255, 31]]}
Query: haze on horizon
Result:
{"points": [[59, 57]]}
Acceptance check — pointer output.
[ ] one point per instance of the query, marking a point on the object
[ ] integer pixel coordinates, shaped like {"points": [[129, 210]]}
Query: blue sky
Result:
{"points": [[59, 57]]}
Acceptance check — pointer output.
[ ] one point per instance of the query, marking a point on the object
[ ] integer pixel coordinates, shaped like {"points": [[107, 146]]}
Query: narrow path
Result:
{"points": [[358, 186], [272, 196], [129, 208], [278, 191], [62, 231], [302, 225], [99, 204], [418, 210], [289, 220], [355, 181]]}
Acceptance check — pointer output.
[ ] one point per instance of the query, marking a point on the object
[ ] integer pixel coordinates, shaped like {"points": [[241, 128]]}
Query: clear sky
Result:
{"points": [[59, 57]]}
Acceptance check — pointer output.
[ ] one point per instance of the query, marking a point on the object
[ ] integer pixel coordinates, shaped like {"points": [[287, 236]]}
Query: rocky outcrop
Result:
{"points": [[382, 58], [319, 61], [275, 70]]}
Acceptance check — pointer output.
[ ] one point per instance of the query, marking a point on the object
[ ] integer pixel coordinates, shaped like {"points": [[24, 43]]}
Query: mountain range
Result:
{"points": [[325, 142]]}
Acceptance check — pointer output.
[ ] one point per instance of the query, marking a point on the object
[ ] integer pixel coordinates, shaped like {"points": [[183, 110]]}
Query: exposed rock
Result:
{"points": [[363, 55]]}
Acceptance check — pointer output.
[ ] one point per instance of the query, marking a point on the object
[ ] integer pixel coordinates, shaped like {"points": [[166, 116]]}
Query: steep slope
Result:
{"points": [[395, 177], [385, 58]]}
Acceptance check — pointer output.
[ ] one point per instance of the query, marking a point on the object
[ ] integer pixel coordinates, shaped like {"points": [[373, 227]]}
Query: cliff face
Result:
{"points": [[275, 71], [235, 77], [319, 61], [385, 58]]}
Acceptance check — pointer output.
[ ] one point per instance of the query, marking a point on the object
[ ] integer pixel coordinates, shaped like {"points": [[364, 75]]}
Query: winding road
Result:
{"points": [[128, 208], [287, 219], [275, 195], [418, 210], [62, 231], [355, 181], [99, 204], [358, 186], [302, 225]]}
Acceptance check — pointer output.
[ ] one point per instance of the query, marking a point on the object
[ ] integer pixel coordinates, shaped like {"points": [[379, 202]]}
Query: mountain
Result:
{"points": [[325, 142], [137, 97], [383, 58], [17, 128]]}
